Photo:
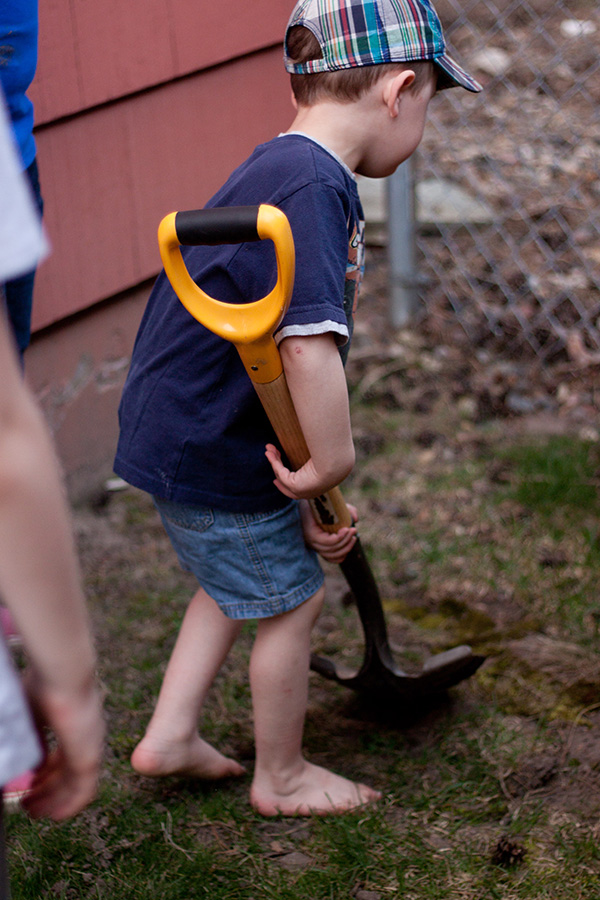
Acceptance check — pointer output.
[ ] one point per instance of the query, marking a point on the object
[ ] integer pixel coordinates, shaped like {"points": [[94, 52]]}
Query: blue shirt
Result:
{"points": [[18, 62], [192, 427]]}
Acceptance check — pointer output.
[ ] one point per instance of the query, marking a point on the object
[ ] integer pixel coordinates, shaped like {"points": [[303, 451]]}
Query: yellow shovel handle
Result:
{"points": [[250, 326]]}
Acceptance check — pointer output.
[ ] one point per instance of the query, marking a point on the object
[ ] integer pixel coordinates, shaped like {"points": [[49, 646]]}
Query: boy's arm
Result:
{"points": [[39, 581], [317, 384]]}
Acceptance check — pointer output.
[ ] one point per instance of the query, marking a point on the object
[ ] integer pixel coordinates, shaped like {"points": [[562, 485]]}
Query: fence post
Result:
{"points": [[404, 299]]}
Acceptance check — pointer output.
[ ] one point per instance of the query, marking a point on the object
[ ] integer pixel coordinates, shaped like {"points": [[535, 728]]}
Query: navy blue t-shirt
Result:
{"points": [[18, 61], [192, 427]]}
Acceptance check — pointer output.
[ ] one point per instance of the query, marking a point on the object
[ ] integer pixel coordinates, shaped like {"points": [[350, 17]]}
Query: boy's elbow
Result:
{"points": [[351, 460], [345, 464]]}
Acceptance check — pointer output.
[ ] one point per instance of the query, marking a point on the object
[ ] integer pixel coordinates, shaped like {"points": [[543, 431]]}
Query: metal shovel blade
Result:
{"points": [[379, 672]]}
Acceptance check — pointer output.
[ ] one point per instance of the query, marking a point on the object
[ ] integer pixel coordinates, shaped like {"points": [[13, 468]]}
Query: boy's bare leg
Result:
{"points": [[172, 745], [284, 782]]}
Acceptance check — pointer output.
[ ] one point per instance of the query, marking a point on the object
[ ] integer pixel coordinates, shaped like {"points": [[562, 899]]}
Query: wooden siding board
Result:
{"points": [[208, 33], [121, 47], [57, 86], [94, 52], [110, 175], [86, 184]]}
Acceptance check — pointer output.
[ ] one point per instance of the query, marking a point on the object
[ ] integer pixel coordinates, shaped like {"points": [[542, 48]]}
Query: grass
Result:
{"points": [[559, 473], [489, 541]]}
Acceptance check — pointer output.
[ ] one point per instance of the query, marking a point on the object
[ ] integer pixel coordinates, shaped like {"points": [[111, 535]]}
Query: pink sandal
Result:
{"points": [[15, 790], [8, 628]]}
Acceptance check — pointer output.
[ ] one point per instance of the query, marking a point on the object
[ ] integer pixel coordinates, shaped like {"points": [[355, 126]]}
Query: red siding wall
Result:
{"points": [[99, 50], [142, 107]]}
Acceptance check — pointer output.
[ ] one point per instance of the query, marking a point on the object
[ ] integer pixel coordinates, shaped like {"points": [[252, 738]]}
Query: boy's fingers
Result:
{"points": [[282, 473], [284, 490], [339, 554], [340, 537], [335, 547], [353, 512]]}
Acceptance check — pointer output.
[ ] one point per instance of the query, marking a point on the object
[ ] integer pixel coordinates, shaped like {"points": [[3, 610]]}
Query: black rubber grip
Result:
{"points": [[220, 225]]}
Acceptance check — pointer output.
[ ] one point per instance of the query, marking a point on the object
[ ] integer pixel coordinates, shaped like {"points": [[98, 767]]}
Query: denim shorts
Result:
{"points": [[254, 565]]}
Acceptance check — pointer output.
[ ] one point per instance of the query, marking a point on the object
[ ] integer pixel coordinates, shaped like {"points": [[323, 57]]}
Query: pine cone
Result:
{"points": [[508, 852]]}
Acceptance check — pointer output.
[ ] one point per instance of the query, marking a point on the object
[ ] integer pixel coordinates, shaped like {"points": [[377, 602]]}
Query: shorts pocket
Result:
{"points": [[194, 518], [270, 515]]}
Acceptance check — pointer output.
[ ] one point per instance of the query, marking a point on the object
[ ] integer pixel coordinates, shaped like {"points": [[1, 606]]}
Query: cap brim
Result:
{"points": [[453, 75]]}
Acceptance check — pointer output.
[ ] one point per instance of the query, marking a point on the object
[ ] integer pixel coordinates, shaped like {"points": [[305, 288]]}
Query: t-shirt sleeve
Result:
{"points": [[319, 226]]}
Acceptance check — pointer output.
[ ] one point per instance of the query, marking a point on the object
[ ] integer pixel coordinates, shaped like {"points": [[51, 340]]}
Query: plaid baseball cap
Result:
{"points": [[369, 32]]}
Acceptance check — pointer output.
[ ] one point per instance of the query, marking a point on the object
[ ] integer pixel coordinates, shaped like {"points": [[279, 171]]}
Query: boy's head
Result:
{"points": [[345, 46]]}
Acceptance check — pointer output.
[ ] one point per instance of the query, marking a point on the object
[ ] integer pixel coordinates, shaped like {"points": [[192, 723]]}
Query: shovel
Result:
{"points": [[250, 327]]}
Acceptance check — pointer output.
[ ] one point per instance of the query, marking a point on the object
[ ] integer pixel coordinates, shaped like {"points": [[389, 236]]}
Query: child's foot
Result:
{"points": [[313, 791], [193, 759]]}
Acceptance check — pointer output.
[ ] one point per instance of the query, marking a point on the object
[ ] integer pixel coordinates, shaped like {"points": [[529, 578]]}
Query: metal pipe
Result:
{"points": [[403, 276]]}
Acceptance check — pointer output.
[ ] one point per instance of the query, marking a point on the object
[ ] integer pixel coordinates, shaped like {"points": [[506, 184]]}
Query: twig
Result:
{"points": [[167, 831]]}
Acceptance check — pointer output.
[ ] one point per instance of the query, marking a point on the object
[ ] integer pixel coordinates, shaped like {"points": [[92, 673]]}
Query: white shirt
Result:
{"points": [[22, 245], [22, 240]]}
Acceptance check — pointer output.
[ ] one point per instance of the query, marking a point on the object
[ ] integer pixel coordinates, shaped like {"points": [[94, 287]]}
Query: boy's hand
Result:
{"points": [[304, 484], [332, 547]]}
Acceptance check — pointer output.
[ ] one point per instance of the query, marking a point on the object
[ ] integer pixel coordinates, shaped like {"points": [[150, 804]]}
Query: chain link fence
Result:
{"points": [[508, 182]]}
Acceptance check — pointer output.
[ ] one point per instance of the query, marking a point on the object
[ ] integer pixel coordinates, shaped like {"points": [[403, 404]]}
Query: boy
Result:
{"points": [[194, 434]]}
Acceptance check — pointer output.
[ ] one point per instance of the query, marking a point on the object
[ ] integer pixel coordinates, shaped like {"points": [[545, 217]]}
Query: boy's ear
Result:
{"points": [[394, 88], [294, 101]]}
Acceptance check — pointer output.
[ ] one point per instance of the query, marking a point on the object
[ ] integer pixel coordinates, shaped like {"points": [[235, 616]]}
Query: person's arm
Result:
{"points": [[40, 583], [317, 384]]}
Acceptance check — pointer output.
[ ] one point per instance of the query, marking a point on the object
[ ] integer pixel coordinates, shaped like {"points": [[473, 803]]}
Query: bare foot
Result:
{"points": [[313, 791], [194, 759]]}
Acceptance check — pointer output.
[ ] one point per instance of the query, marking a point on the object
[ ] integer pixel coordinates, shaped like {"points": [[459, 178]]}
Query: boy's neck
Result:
{"points": [[378, 130], [334, 125]]}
